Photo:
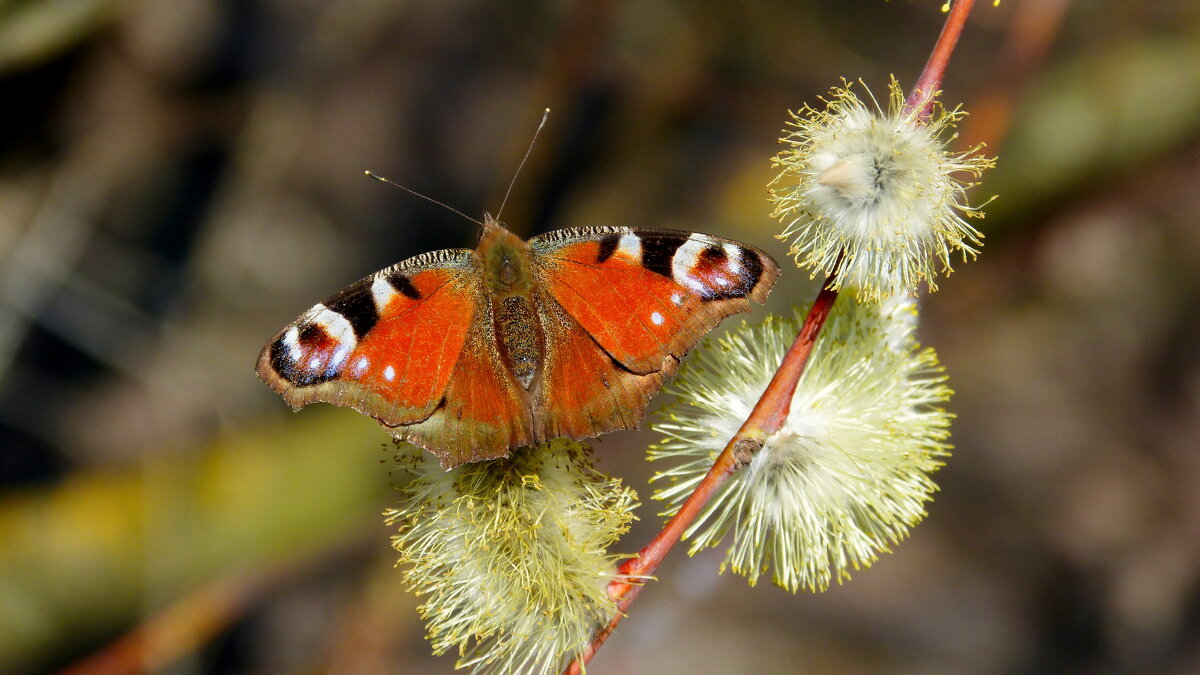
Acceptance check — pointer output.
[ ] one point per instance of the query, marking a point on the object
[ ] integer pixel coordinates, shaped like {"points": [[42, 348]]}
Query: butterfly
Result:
{"points": [[470, 354]]}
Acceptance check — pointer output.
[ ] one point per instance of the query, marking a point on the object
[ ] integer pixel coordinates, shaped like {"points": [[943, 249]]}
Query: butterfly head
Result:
{"points": [[504, 258]]}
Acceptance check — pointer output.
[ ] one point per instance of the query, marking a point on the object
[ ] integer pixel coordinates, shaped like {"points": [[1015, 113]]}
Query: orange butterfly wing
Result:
{"points": [[647, 295], [411, 347], [385, 346], [582, 392], [632, 303], [484, 413]]}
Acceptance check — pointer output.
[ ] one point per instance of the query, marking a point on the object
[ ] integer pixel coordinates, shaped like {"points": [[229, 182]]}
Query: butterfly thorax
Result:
{"points": [[508, 284]]}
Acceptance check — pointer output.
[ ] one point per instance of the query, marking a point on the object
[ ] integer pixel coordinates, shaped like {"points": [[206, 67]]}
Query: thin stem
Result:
{"points": [[191, 621], [772, 408], [766, 418], [930, 82]]}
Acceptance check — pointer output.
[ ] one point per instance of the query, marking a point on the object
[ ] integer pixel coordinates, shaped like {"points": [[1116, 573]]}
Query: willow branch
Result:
{"points": [[772, 408], [930, 81], [766, 418]]}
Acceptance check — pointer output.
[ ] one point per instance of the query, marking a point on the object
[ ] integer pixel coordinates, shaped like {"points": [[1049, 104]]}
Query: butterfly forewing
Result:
{"points": [[386, 345], [648, 295]]}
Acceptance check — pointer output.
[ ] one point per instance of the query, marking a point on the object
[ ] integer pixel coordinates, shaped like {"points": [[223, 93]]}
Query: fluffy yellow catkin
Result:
{"points": [[849, 472], [880, 186], [511, 554]]}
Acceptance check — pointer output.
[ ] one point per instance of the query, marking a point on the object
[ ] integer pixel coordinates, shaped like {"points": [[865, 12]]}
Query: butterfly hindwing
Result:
{"points": [[583, 391], [386, 345], [483, 413], [646, 295]]}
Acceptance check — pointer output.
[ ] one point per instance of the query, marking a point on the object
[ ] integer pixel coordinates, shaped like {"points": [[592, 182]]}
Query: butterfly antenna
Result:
{"points": [[528, 150], [381, 179]]}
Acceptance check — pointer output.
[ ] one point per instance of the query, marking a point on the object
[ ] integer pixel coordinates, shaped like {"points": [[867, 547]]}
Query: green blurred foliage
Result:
{"points": [[99, 549]]}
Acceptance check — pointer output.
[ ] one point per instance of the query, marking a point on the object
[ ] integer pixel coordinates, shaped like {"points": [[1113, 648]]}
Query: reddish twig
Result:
{"points": [[930, 82], [191, 621], [765, 419], [772, 408]]}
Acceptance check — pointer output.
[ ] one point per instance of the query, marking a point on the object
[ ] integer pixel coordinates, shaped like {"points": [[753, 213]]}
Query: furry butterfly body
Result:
{"points": [[470, 354]]}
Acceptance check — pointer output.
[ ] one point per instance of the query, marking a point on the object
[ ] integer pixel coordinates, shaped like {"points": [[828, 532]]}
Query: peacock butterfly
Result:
{"points": [[470, 354]]}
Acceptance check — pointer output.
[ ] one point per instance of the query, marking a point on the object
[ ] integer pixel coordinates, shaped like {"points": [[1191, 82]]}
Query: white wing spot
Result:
{"points": [[291, 340], [630, 245], [685, 260], [339, 356], [360, 366], [382, 292], [677, 298], [733, 258], [389, 373], [656, 318], [335, 325]]}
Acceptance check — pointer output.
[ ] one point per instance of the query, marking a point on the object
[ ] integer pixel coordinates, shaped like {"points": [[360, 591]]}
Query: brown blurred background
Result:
{"points": [[179, 178]]}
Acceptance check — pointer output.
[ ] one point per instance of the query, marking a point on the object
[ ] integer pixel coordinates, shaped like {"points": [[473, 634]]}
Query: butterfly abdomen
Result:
{"points": [[519, 336]]}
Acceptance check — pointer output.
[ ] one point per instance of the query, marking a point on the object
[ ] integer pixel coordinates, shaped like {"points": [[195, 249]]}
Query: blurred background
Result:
{"points": [[180, 178]]}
